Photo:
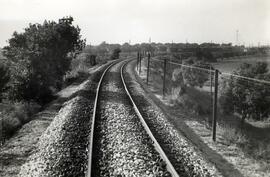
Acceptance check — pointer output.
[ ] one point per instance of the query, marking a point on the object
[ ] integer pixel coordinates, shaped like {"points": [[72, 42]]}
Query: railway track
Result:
{"points": [[121, 144]]}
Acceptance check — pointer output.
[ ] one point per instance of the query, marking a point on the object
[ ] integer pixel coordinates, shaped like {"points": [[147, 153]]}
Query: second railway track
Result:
{"points": [[121, 144]]}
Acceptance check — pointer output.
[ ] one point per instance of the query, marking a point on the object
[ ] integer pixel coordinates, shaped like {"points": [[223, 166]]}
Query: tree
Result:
{"points": [[205, 54], [4, 78], [40, 57], [208, 56], [103, 48], [250, 99], [115, 54], [91, 59], [193, 76], [126, 47]]}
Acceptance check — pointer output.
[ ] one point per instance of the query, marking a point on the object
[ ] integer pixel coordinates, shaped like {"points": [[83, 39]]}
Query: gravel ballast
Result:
{"points": [[186, 158], [122, 146], [62, 149]]}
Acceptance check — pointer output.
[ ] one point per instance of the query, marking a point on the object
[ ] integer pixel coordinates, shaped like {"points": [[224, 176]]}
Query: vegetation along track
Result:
{"points": [[121, 143]]}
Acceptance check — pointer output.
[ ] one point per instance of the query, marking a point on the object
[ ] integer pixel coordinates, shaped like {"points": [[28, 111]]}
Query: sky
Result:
{"points": [[119, 21]]}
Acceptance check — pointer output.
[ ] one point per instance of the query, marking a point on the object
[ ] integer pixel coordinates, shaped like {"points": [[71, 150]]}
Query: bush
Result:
{"points": [[205, 55], [9, 125], [4, 79], [116, 53], [195, 100], [195, 77], [247, 98], [14, 115], [80, 68], [232, 136], [81, 72]]}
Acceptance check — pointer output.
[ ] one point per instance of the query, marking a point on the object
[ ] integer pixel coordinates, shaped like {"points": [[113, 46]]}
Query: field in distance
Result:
{"points": [[230, 65]]}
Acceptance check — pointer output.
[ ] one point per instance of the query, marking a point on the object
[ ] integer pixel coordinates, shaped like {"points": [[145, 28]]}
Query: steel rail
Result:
{"points": [[169, 165], [90, 154]]}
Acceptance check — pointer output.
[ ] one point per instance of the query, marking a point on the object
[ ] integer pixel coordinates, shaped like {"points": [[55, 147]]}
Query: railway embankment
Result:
{"points": [[41, 145], [187, 158]]}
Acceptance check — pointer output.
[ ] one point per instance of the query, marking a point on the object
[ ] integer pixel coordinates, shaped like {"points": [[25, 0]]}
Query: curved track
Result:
{"points": [[121, 144]]}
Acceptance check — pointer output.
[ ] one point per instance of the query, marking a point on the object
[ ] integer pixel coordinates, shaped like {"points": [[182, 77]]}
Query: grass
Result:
{"points": [[196, 100], [80, 71], [253, 148], [253, 141], [80, 68], [229, 65], [232, 136], [13, 116]]}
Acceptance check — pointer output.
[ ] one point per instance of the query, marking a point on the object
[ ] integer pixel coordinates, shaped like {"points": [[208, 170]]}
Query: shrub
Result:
{"points": [[9, 125], [80, 68], [247, 98], [116, 53], [205, 55], [91, 60], [194, 77], [262, 150], [24, 111], [14, 115], [4, 79], [80, 72], [195, 100], [232, 136]]}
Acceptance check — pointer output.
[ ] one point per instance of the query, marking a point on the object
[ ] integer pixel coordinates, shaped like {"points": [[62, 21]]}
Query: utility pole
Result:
{"points": [[237, 36], [164, 77], [148, 67], [214, 121]]}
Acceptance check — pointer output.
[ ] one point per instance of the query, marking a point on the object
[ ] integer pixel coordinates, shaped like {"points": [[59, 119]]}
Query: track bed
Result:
{"points": [[121, 145]]}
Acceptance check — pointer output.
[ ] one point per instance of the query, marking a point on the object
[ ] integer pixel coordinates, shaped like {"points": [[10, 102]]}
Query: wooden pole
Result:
{"points": [[164, 77], [148, 70], [211, 84], [140, 62], [214, 122], [211, 93]]}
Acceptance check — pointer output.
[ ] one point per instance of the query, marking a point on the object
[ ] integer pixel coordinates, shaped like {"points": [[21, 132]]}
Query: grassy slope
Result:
{"points": [[251, 145]]}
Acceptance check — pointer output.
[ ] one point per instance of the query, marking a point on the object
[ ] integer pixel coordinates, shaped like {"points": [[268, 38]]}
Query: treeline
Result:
{"points": [[209, 52]]}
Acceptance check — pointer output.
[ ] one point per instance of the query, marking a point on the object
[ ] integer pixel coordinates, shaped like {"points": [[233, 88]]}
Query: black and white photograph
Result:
{"points": [[134, 88]]}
